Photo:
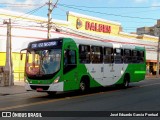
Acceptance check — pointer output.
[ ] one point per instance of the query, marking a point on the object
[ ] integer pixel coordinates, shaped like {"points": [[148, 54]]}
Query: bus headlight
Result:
{"points": [[56, 80]]}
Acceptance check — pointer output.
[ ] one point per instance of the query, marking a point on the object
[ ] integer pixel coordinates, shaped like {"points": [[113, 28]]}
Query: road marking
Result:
{"points": [[60, 99], [26, 105], [48, 101], [27, 95]]}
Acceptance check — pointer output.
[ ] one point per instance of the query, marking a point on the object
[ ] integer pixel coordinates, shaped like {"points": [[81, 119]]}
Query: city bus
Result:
{"points": [[65, 64]]}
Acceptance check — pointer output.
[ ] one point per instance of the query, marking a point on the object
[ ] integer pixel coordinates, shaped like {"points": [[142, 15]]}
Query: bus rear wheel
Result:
{"points": [[126, 81]]}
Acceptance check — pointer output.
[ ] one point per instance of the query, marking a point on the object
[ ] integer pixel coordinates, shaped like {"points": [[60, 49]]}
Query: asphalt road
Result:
{"points": [[142, 96]]}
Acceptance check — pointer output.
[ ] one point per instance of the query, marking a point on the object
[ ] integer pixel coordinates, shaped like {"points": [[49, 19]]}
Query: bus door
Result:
{"points": [[108, 74], [113, 65], [96, 66], [118, 63], [70, 73]]}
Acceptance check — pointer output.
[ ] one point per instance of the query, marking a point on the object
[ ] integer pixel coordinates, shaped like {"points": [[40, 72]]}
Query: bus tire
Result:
{"points": [[84, 85], [126, 81]]}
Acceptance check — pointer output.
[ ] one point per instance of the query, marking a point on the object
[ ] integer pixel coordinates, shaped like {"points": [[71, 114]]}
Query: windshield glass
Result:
{"points": [[43, 62]]}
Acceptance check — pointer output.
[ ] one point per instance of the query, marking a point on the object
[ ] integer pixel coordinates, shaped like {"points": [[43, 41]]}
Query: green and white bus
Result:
{"points": [[64, 64]]}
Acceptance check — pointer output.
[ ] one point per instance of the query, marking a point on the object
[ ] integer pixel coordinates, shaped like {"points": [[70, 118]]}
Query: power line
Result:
{"points": [[34, 10], [20, 4], [120, 15], [27, 5], [16, 6], [127, 28], [144, 11], [114, 7], [69, 5], [105, 13], [137, 22], [30, 12], [58, 14]]}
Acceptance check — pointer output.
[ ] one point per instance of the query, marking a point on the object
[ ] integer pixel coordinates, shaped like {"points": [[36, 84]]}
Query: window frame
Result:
{"points": [[67, 67], [96, 54], [109, 56], [118, 55], [127, 57], [84, 56]]}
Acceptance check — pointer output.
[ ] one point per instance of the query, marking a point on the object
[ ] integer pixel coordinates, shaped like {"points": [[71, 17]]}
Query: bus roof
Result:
{"points": [[105, 44], [86, 41]]}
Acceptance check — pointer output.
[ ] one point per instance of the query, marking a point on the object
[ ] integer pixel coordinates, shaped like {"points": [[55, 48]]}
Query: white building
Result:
{"points": [[27, 28]]}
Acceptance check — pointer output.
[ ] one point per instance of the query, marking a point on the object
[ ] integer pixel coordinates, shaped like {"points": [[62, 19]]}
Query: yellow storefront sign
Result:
{"points": [[93, 25]]}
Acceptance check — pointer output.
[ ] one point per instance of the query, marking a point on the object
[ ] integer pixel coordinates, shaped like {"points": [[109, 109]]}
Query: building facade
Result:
{"points": [[152, 31], [27, 28]]}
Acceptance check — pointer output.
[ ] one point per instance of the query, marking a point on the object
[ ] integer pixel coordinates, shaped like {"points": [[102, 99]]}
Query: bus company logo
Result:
{"points": [[79, 23]]}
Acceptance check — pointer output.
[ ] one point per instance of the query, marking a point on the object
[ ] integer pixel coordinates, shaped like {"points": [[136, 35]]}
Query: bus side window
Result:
{"points": [[118, 53], [96, 54], [108, 55], [69, 57], [84, 53], [140, 56], [69, 60], [127, 56], [134, 56]]}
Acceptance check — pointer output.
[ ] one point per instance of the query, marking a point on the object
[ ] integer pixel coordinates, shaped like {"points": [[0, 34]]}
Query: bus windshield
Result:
{"points": [[43, 62]]}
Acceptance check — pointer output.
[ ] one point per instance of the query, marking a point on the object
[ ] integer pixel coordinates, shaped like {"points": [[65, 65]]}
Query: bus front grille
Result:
{"points": [[34, 87]]}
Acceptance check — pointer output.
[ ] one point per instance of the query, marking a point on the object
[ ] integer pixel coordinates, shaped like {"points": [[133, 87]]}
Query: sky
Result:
{"points": [[130, 13]]}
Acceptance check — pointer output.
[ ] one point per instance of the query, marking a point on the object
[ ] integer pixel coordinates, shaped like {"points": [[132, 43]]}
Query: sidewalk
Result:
{"points": [[152, 76], [10, 90]]}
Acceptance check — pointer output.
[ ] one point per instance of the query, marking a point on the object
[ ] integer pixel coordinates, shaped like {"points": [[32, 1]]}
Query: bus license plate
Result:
{"points": [[39, 89]]}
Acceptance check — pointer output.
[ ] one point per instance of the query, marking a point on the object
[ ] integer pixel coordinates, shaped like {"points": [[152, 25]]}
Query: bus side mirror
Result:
{"points": [[21, 54]]}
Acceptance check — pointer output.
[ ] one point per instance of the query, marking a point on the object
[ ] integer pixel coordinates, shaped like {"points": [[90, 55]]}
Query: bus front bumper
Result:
{"points": [[45, 88]]}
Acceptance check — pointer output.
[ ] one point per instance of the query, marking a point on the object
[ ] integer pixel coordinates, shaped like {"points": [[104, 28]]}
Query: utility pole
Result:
{"points": [[8, 64], [49, 18], [50, 9], [158, 49]]}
